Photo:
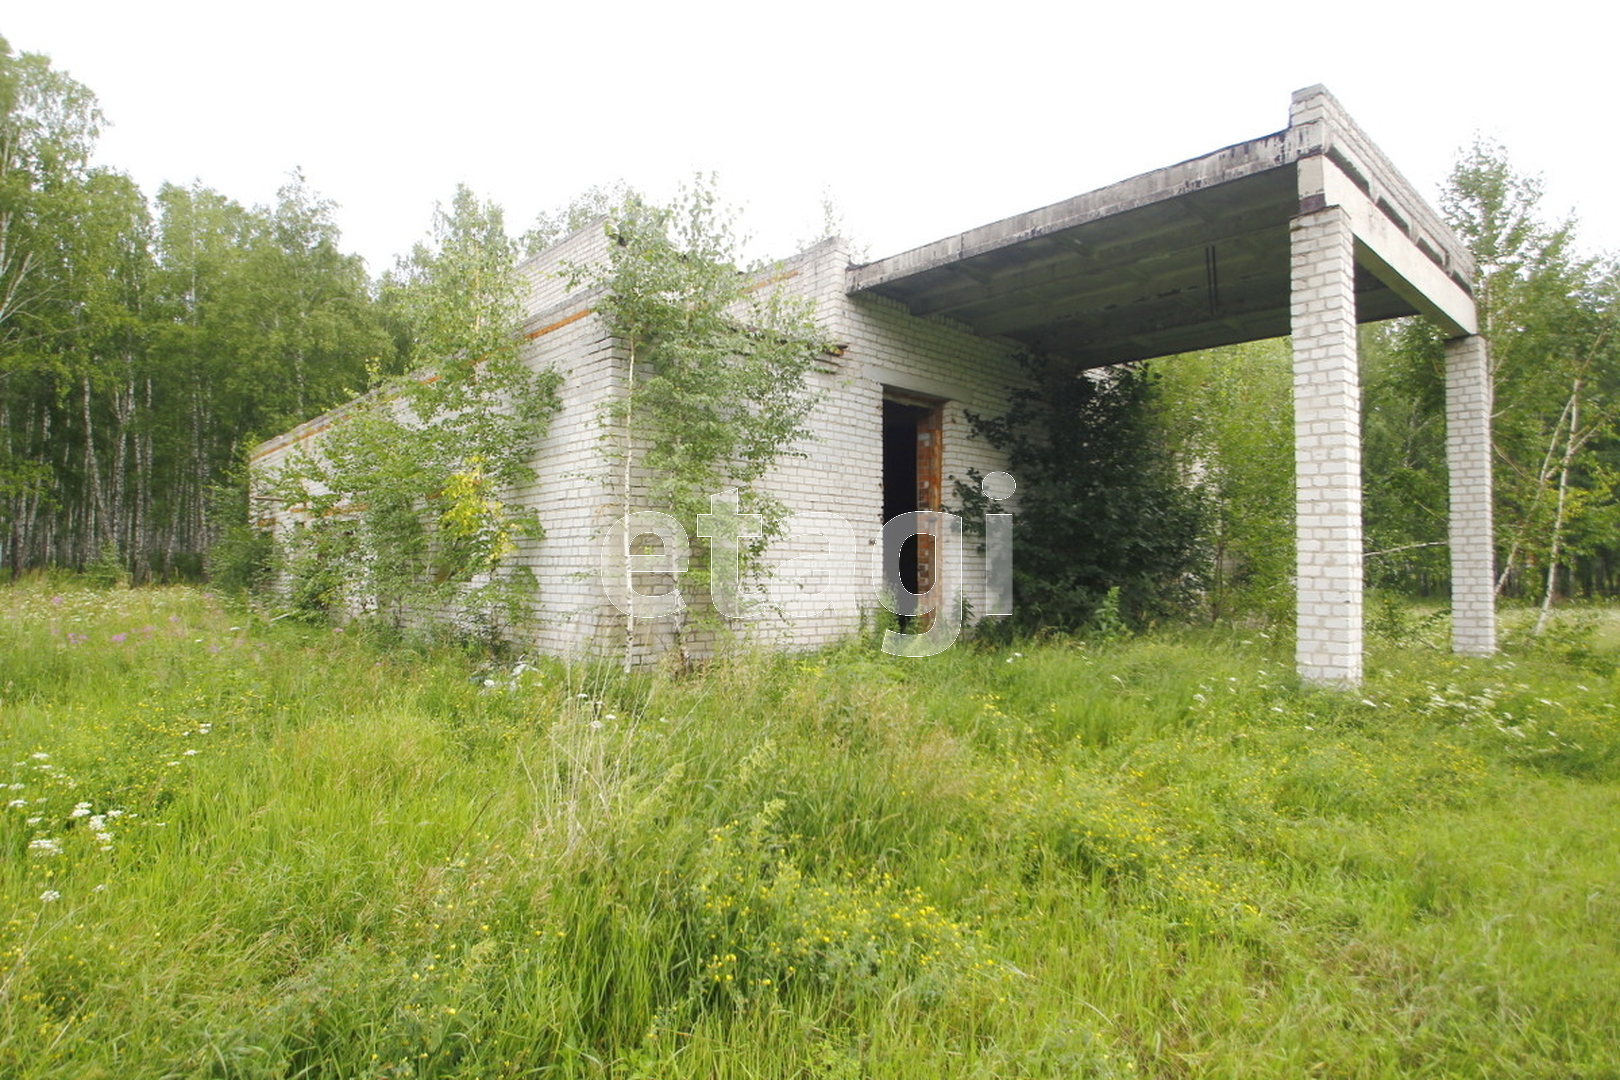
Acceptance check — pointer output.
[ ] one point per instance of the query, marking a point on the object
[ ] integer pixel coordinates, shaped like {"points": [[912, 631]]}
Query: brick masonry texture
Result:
{"points": [[1468, 456], [578, 487], [1327, 451], [836, 475]]}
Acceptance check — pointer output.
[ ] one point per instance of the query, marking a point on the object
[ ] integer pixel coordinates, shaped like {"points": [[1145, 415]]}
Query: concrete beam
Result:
{"points": [[1325, 128], [1388, 250]]}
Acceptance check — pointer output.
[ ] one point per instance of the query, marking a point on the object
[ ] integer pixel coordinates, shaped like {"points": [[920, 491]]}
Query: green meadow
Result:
{"points": [[235, 848]]}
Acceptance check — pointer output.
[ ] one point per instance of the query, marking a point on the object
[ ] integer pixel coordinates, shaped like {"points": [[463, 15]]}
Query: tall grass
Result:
{"points": [[242, 850]]}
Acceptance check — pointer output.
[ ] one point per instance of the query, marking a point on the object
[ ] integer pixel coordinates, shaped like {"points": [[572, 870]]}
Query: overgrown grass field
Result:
{"points": [[241, 850]]}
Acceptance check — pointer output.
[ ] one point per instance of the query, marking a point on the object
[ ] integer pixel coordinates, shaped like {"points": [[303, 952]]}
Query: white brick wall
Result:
{"points": [[840, 469], [577, 490], [569, 489], [886, 347], [1468, 459], [1327, 449]]}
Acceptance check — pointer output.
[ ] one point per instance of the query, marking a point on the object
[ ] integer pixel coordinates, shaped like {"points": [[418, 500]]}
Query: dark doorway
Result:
{"points": [[911, 481]]}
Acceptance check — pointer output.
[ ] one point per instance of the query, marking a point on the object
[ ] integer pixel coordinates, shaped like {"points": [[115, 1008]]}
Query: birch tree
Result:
{"points": [[408, 495], [718, 360], [1549, 315]]}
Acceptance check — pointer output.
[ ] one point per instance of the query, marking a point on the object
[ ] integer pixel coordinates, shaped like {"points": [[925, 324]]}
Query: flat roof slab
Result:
{"points": [[1186, 257]]}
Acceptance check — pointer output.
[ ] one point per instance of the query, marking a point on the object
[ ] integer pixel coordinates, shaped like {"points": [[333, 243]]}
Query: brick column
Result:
{"points": [[1327, 449], [1468, 460]]}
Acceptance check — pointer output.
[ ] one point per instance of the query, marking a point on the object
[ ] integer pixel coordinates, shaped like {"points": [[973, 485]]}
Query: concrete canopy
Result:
{"points": [[1190, 256], [1305, 233]]}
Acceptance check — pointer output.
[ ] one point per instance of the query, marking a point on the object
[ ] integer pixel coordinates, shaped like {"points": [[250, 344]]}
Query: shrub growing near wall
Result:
{"points": [[1101, 504]]}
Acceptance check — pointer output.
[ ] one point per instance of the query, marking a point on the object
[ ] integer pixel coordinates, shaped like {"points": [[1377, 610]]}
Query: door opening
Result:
{"points": [[912, 464]]}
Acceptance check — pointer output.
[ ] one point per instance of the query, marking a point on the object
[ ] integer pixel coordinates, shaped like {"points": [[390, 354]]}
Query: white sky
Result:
{"points": [[920, 119]]}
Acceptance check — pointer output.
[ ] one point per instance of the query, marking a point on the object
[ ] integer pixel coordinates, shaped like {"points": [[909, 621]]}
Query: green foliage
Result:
{"points": [[253, 850], [1405, 497], [106, 571], [1107, 625], [1573, 637], [47, 129], [1227, 414], [719, 360], [1101, 502], [406, 499], [593, 203], [144, 346], [1393, 620], [243, 560], [1548, 314]]}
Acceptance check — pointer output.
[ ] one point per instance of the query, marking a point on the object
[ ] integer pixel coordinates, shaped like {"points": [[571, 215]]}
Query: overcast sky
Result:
{"points": [[921, 120]]}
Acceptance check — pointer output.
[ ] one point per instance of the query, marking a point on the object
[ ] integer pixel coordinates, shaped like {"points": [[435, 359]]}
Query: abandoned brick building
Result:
{"points": [[1305, 232]]}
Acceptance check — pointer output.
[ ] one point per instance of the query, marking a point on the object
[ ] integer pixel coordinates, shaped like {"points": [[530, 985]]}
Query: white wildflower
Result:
{"points": [[17, 804], [80, 810], [188, 753], [49, 895], [45, 845]]}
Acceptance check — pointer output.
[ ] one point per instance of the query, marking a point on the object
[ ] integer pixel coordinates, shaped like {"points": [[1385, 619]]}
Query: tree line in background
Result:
{"points": [[146, 345]]}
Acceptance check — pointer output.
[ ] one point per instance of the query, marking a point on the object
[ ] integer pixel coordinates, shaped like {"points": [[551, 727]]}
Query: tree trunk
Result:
{"points": [[1543, 481], [1555, 552], [123, 409], [95, 516], [141, 526]]}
